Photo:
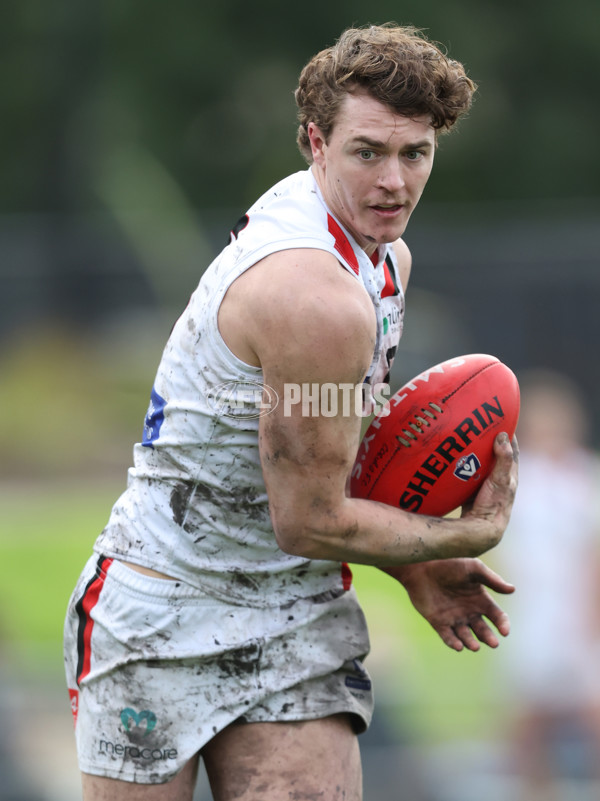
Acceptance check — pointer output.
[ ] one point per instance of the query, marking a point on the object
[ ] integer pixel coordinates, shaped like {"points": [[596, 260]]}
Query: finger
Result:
{"points": [[489, 578], [496, 495], [515, 449], [502, 446], [449, 638], [501, 620], [503, 467], [484, 633], [465, 635], [495, 615]]}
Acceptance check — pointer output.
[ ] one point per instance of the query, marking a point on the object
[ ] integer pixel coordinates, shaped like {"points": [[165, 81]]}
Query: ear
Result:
{"points": [[317, 142]]}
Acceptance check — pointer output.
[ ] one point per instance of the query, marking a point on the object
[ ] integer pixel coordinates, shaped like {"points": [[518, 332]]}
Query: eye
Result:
{"points": [[367, 155], [414, 155]]}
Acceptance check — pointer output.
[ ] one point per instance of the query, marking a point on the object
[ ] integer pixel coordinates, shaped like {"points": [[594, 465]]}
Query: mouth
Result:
{"points": [[388, 209]]}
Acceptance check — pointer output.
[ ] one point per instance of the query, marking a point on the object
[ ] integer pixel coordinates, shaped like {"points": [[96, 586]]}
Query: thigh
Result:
{"points": [[307, 761], [180, 788]]}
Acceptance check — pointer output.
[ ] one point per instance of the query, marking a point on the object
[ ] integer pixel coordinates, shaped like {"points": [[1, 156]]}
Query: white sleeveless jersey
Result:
{"points": [[195, 506]]}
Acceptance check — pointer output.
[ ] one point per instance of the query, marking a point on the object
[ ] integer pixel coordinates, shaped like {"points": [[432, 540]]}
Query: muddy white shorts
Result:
{"points": [[155, 668]]}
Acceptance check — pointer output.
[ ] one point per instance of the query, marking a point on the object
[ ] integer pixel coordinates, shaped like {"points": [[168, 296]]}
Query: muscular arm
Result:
{"points": [[308, 321]]}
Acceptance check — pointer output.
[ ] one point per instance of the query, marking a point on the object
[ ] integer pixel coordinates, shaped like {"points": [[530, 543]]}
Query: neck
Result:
{"points": [[369, 247]]}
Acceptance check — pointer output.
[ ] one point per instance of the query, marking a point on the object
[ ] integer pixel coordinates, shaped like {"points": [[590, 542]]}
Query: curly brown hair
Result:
{"points": [[397, 65]]}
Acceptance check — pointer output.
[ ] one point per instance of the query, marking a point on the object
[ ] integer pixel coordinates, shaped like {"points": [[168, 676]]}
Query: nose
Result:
{"points": [[391, 177]]}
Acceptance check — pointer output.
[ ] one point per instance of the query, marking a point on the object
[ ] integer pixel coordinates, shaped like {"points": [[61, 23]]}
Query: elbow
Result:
{"points": [[313, 536], [294, 537]]}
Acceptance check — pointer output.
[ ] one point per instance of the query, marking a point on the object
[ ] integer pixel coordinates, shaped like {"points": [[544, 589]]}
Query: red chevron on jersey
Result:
{"points": [[342, 245], [390, 287]]}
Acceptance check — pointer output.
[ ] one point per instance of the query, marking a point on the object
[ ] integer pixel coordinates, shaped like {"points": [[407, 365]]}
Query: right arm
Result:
{"points": [[308, 321]]}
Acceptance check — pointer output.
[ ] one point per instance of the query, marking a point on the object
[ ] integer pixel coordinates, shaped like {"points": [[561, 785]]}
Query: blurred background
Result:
{"points": [[134, 135]]}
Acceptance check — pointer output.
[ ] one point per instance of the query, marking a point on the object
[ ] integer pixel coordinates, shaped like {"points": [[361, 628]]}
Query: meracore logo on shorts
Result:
{"points": [[136, 752], [138, 725], [129, 716], [250, 399]]}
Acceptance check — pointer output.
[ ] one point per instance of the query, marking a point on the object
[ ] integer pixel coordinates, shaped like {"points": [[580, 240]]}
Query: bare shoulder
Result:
{"points": [[404, 259], [305, 313]]}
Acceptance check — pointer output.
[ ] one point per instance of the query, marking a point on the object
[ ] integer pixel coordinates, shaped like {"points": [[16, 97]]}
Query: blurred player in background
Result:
{"points": [[217, 615], [553, 552]]}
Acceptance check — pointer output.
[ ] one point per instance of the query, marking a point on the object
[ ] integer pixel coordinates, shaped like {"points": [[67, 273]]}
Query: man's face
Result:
{"points": [[374, 168]]}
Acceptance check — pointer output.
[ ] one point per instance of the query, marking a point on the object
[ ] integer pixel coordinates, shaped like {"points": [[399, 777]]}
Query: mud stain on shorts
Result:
{"points": [[242, 661]]}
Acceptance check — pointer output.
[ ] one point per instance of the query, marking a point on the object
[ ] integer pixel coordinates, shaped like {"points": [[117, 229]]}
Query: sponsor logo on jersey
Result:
{"points": [[155, 417], [74, 699], [360, 679]]}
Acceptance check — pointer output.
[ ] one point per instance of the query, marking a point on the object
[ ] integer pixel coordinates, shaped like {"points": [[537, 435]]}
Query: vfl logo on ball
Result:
{"points": [[467, 467]]}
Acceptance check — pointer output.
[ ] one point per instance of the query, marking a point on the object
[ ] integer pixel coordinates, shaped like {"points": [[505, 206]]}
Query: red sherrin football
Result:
{"points": [[431, 445]]}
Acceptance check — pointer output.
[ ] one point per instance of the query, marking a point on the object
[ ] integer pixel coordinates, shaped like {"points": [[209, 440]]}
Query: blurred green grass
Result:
{"points": [[76, 412], [46, 534]]}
